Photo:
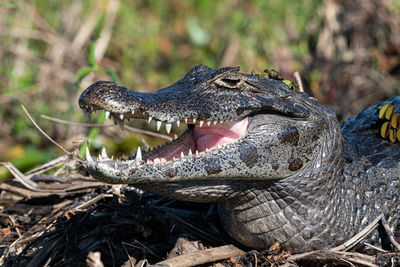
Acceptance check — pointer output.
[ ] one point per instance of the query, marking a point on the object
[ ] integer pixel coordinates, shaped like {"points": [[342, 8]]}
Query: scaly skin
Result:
{"points": [[290, 176]]}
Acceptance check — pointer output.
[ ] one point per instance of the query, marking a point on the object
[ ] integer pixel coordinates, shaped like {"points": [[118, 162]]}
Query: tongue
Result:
{"points": [[212, 136]]}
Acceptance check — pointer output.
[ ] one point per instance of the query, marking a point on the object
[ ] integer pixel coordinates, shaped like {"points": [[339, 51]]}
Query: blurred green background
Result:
{"points": [[347, 54]]}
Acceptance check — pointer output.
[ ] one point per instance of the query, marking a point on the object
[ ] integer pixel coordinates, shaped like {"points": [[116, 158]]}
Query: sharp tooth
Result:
{"points": [[133, 112], [107, 114], [219, 146], [173, 158], [168, 127], [121, 116], [88, 157], [163, 160], [150, 118], [215, 122], [182, 155], [148, 161], [115, 165], [146, 145], [208, 123], [206, 149], [99, 158], [201, 123], [197, 152], [104, 152], [138, 155], [156, 160], [186, 120], [190, 153], [87, 114], [178, 122], [121, 124], [194, 120], [221, 121], [158, 125]]}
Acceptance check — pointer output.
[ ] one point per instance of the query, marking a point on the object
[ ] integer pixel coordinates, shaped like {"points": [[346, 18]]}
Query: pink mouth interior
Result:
{"points": [[200, 139]]}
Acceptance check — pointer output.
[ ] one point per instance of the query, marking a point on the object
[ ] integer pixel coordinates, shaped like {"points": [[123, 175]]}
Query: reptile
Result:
{"points": [[277, 162]]}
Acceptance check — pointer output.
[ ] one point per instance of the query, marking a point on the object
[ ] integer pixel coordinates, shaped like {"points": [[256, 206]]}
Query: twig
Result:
{"points": [[390, 234], [129, 128], [93, 201], [86, 29], [106, 32], [132, 262], [13, 223], [298, 80], [141, 246], [349, 244], [203, 256], [20, 177], [111, 252], [335, 256], [375, 247], [40, 130], [48, 165]]}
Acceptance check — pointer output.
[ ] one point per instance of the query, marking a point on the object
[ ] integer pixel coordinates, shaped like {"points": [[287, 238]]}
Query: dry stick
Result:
{"points": [[106, 32], [337, 256], [349, 244], [111, 252], [203, 256], [13, 223], [390, 234], [298, 80], [374, 247], [48, 165], [132, 129], [146, 248], [93, 201], [132, 262], [59, 72], [19, 176], [40, 130]]}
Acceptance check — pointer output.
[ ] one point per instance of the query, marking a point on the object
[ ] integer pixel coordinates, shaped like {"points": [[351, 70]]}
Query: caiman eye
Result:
{"points": [[229, 83]]}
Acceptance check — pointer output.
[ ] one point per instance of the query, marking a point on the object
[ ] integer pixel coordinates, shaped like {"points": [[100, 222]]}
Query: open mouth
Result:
{"points": [[199, 138]]}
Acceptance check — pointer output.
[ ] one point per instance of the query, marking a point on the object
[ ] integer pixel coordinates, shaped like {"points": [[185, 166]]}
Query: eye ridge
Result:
{"points": [[230, 83]]}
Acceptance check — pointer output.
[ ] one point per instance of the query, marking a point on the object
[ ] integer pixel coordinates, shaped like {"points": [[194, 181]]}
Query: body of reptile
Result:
{"points": [[275, 160]]}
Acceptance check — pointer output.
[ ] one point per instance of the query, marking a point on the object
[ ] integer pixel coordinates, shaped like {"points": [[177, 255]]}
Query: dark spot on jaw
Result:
{"points": [[275, 167], [212, 166], [290, 136], [248, 154], [133, 171], [209, 172], [295, 164], [170, 172], [204, 116]]}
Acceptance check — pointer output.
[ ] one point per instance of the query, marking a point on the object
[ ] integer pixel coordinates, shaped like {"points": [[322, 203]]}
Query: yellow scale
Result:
{"points": [[390, 128]]}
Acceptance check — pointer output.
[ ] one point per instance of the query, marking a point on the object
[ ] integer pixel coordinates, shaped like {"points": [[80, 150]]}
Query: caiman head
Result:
{"points": [[240, 128]]}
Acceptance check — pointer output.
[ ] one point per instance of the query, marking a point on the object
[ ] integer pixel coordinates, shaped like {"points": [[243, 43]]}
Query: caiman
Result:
{"points": [[275, 160]]}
